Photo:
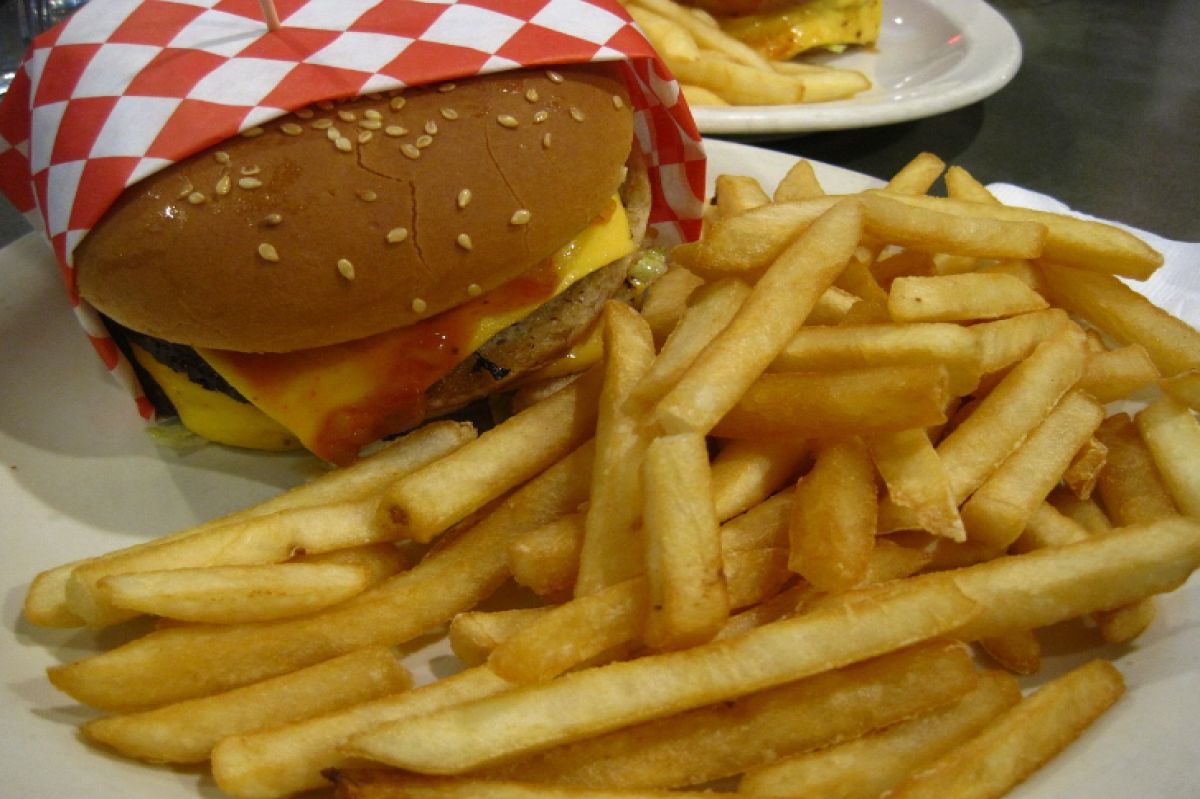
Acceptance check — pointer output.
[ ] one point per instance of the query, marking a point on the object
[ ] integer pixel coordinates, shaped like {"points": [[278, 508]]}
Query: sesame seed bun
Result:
{"points": [[346, 220]]}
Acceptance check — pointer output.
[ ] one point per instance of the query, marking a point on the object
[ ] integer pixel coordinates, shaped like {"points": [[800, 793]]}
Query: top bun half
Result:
{"points": [[349, 219]]}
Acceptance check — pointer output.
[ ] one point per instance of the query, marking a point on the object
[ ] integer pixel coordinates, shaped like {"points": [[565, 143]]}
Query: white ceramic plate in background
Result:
{"points": [[933, 56], [79, 476]]}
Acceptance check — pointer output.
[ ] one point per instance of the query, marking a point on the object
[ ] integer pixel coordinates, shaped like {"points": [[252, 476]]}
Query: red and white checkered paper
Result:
{"points": [[126, 87]]}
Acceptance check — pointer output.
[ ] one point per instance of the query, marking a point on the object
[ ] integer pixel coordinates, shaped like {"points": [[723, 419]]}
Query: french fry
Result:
{"points": [[1022, 740], [594, 701], [475, 634], [917, 176], [745, 472], [903, 263], [740, 84], [718, 741], [798, 183], [1084, 512], [1004, 342], [1183, 388], [803, 405], [545, 559], [1130, 487], [754, 575], [768, 318], [1048, 527], [824, 83], [1019, 651], [427, 502], [962, 185], [832, 307], [867, 767], [761, 527], [186, 732], [233, 594], [186, 662], [706, 32], [736, 194], [612, 549], [688, 599], [289, 759], [1172, 435], [666, 300], [961, 298], [701, 95], [1115, 374], [916, 481], [1000, 508], [832, 527], [921, 227], [378, 784], [1118, 310], [1081, 476]]}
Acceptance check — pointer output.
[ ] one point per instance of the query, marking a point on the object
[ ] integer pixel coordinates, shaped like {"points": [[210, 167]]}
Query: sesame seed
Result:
{"points": [[251, 133], [333, 134], [431, 128], [291, 129], [424, 141], [222, 157], [419, 305], [371, 113], [410, 151], [268, 253], [474, 290], [344, 145], [540, 116], [325, 105], [397, 235], [446, 87], [531, 95], [546, 142], [395, 130], [370, 124], [196, 198], [396, 103], [366, 195], [322, 123], [618, 103], [521, 216], [253, 169], [224, 184], [554, 76], [464, 198], [365, 136], [347, 116], [304, 113], [345, 268], [449, 113], [576, 114], [507, 121], [464, 241], [187, 189], [272, 219], [249, 183]]}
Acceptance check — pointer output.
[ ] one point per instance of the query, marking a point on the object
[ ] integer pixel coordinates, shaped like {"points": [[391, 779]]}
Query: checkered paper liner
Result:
{"points": [[126, 87]]}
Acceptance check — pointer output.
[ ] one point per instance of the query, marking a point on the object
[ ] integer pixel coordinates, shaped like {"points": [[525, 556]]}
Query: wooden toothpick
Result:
{"points": [[269, 14]]}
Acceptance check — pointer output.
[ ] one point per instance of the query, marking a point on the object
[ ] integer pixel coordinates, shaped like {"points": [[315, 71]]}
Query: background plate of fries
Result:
{"points": [[81, 478], [932, 56]]}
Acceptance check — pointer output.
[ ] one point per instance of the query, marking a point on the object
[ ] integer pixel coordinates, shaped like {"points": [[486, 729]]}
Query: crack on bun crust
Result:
{"points": [[238, 247]]}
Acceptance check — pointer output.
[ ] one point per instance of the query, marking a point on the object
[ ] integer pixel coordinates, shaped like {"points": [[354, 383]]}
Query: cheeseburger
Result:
{"points": [[782, 29], [346, 271]]}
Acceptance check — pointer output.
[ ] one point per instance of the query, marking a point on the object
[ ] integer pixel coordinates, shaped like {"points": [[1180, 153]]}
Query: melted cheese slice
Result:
{"points": [[338, 399], [817, 23]]}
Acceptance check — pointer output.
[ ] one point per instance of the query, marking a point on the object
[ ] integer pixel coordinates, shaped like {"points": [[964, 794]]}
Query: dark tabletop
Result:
{"points": [[1104, 114]]}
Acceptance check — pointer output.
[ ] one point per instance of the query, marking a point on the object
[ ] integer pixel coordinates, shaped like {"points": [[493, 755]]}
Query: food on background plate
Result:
{"points": [[412, 267], [740, 52]]}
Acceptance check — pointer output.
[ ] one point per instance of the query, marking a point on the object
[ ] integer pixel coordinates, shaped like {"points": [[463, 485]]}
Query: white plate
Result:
{"points": [[80, 477], [933, 56]]}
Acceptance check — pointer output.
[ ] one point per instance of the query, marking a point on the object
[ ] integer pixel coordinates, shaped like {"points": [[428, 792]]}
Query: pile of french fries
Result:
{"points": [[847, 440], [715, 69]]}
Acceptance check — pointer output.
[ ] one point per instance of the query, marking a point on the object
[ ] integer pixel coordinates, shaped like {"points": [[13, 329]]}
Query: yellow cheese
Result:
{"points": [[339, 398], [816, 23]]}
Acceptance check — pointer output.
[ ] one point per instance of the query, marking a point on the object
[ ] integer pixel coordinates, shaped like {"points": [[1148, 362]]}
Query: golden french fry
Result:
{"points": [[380, 561], [545, 559], [962, 185], [1081, 476], [706, 32], [799, 183], [832, 527], [746, 472], [961, 298], [740, 84], [666, 300], [1118, 310], [1084, 512], [768, 318], [714, 742], [902, 263], [688, 601], [475, 634], [1069, 240], [1000, 508], [1022, 740], [594, 701], [917, 481], [319, 516], [1172, 435], [289, 759], [1129, 486], [427, 502], [930, 229], [1024, 271], [1183, 388], [763, 526], [186, 732], [1115, 374], [674, 41], [1006, 341], [833, 348], [802, 405], [378, 784], [612, 550], [700, 95], [832, 307], [1049, 527], [736, 194], [824, 83], [1019, 651], [755, 575], [917, 176], [867, 767], [233, 594], [186, 662]]}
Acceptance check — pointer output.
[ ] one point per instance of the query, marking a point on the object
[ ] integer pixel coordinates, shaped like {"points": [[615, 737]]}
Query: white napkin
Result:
{"points": [[1175, 287]]}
